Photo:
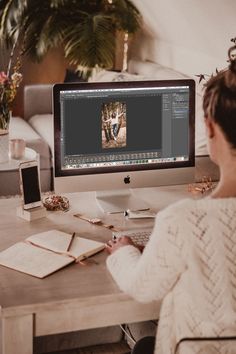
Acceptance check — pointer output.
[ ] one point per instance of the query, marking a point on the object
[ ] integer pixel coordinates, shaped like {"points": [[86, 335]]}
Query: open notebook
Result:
{"points": [[44, 253]]}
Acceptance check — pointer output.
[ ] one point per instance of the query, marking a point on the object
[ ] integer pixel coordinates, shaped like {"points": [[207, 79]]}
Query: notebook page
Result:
{"points": [[83, 247], [33, 260], [58, 241], [54, 240]]}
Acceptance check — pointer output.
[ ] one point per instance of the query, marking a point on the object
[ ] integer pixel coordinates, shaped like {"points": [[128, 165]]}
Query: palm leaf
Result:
{"points": [[91, 43], [85, 28], [10, 19]]}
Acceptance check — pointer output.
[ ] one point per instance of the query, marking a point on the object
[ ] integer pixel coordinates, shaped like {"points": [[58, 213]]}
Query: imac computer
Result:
{"points": [[110, 137]]}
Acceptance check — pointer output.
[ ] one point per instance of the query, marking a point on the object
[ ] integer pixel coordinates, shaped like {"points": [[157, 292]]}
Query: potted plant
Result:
{"points": [[85, 29], [9, 83]]}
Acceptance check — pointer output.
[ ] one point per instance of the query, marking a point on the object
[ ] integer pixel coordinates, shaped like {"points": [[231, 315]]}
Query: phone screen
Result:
{"points": [[30, 182]]}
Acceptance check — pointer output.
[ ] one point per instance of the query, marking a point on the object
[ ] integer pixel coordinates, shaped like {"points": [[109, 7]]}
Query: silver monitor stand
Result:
{"points": [[117, 201]]}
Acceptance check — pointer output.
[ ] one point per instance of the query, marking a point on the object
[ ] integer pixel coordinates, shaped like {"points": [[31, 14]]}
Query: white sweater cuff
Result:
{"points": [[122, 261]]}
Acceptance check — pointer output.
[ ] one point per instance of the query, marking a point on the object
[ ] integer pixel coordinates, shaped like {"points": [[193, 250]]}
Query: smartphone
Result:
{"points": [[30, 185]]}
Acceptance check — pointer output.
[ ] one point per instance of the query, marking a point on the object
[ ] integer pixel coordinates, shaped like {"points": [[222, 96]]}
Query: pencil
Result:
{"points": [[71, 241]]}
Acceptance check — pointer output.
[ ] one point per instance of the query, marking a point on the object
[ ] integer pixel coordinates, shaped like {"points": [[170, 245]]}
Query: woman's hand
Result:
{"points": [[114, 245]]}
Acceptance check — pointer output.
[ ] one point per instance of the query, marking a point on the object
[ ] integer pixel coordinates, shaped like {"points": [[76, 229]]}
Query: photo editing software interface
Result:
{"points": [[123, 128]]}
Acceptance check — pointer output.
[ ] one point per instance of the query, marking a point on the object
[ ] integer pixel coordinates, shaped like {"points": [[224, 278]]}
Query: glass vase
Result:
{"points": [[5, 116]]}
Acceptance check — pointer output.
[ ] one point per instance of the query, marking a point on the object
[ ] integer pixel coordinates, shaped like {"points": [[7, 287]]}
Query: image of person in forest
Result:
{"points": [[113, 124]]}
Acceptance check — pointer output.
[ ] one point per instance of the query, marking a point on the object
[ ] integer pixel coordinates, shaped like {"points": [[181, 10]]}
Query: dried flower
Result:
{"points": [[3, 77], [8, 90], [8, 87]]}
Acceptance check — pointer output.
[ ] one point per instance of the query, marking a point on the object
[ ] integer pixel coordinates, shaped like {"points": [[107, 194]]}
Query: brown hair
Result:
{"points": [[219, 101]]}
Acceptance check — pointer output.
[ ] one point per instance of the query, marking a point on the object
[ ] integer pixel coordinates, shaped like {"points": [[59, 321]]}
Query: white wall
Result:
{"points": [[191, 36]]}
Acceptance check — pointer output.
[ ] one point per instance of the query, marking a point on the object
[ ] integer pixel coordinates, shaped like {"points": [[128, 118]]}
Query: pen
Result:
{"points": [[71, 241]]}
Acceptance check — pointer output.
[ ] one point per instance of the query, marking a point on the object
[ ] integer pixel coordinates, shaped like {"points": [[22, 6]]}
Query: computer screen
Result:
{"points": [[117, 135]]}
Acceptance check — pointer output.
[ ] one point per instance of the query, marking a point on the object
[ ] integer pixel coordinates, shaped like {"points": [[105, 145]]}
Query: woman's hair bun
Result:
{"points": [[232, 58], [232, 65], [230, 74]]}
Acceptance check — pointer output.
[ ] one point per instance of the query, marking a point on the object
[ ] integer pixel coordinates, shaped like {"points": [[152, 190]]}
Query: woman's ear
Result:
{"points": [[210, 128]]}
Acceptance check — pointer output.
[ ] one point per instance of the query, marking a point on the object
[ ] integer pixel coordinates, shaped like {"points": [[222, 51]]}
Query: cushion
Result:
{"points": [[19, 128], [37, 100], [107, 76], [153, 71], [43, 125]]}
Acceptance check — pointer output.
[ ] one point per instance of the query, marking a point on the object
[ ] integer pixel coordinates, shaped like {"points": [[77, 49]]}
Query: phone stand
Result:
{"points": [[31, 214]]}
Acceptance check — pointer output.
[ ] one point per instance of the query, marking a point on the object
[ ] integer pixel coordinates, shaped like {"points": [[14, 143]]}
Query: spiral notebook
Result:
{"points": [[42, 254]]}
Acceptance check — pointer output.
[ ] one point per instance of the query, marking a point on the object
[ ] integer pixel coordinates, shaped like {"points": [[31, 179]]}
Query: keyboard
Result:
{"points": [[139, 237]]}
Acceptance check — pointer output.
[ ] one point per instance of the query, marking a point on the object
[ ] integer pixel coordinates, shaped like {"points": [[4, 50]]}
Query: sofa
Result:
{"points": [[36, 127]]}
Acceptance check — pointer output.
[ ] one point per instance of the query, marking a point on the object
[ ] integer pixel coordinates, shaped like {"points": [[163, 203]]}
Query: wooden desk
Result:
{"points": [[76, 297]]}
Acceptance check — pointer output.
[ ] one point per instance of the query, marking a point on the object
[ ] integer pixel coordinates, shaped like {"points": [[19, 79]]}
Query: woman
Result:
{"points": [[190, 260]]}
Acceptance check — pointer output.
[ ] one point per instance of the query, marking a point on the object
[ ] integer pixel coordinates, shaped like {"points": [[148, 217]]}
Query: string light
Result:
{"points": [[206, 185]]}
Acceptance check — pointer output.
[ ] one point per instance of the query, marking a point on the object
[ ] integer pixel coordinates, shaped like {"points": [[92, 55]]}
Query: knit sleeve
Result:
{"points": [[152, 274]]}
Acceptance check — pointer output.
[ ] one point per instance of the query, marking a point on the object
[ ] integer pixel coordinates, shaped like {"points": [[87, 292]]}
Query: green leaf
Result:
{"points": [[84, 28]]}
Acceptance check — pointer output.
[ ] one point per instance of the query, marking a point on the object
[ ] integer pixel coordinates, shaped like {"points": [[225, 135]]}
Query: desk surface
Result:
{"points": [[76, 297]]}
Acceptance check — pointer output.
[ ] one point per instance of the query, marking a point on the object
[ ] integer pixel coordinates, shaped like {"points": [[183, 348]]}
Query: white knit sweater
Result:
{"points": [[190, 262]]}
